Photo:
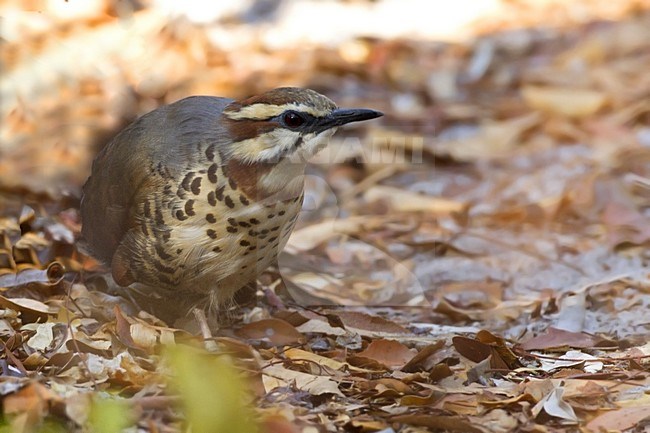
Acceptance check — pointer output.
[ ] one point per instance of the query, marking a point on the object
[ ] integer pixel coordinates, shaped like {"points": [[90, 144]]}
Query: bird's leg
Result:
{"points": [[275, 293], [208, 342]]}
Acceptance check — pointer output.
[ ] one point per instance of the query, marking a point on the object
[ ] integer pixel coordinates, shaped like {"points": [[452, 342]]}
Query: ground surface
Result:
{"points": [[475, 261]]}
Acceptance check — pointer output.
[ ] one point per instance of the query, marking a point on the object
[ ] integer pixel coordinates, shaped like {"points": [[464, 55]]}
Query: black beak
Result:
{"points": [[341, 116]]}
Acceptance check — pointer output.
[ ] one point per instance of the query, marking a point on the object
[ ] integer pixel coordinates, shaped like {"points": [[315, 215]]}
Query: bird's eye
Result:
{"points": [[292, 119]]}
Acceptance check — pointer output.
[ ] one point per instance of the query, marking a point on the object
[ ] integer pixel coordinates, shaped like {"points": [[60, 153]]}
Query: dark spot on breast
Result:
{"points": [[179, 250], [219, 192], [244, 266], [232, 183], [209, 152], [262, 236], [244, 200], [147, 209], [196, 186], [252, 248], [260, 258], [272, 239], [167, 190], [265, 231], [212, 173], [275, 229], [232, 222], [180, 215], [216, 249], [166, 235], [244, 224], [212, 200], [210, 218], [187, 180], [162, 171], [253, 233], [162, 253], [244, 243], [254, 221], [189, 208], [281, 213], [231, 229], [180, 193], [212, 233], [228, 201]]}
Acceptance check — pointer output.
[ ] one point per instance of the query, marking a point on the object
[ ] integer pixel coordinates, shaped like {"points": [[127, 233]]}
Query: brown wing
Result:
{"points": [[138, 162]]}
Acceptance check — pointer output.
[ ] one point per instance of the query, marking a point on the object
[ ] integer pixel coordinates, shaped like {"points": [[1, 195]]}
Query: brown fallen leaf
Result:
{"points": [[423, 358], [554, 338], [619, 419], [32, 402], [440, 423], [31, 309], [390, 353], [276, 331], [478, 351], [367, 322]]}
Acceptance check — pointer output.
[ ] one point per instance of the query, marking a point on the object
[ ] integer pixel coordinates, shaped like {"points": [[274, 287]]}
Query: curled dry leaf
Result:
{"points": [[50, 276], [573, 358], [43, 337], [554, 405], [422, 360]]}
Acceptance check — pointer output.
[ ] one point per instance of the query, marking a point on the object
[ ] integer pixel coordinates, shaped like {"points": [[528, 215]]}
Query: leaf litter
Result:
{"points": [[476, 262]]}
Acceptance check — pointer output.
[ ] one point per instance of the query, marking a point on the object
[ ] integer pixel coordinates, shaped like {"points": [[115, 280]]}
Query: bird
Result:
{"points": [[198, 197]]}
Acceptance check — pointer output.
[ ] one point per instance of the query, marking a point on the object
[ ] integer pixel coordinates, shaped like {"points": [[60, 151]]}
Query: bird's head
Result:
{"points": [[287, 122]]}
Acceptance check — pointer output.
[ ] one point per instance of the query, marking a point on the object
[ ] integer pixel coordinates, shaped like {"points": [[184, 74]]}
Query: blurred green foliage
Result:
{"points": [[213, 393], [109, 415]]}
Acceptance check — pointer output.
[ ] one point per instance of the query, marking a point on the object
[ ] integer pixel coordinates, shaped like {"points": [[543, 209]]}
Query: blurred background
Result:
{"points": [[75, 72]]}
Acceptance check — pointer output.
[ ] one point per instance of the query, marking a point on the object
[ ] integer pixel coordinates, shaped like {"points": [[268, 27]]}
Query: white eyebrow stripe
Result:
{"points": [[265, 111]]}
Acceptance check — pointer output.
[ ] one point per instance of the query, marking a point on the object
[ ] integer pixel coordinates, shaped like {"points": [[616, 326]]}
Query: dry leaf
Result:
{"points": [[315, 385], [276, 331], [569, 102]]}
